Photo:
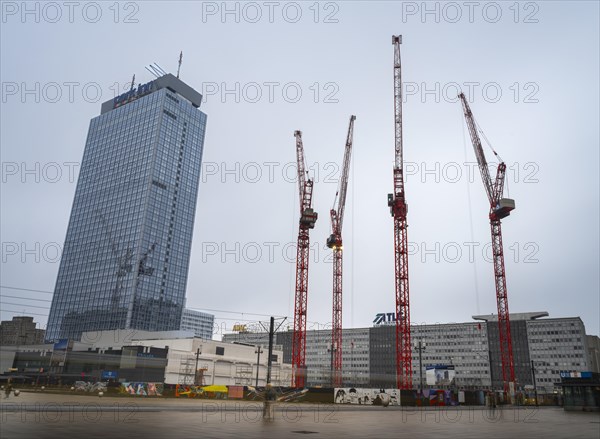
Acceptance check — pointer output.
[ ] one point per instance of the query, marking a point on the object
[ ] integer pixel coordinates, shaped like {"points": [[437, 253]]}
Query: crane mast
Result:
{"points": [[499, 208], [398, 209], [308, 218], [334, 242]]}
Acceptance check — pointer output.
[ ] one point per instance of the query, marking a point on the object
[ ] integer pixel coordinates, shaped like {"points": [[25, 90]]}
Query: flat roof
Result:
{"points": [[168, 81]]}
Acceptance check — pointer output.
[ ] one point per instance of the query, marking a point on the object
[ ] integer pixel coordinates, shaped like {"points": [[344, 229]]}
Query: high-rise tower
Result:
{"points": [[126, 255]]}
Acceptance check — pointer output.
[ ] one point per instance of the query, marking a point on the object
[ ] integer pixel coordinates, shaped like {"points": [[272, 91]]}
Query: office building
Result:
{"points": [[593, 342], [200, 323], [453, 355], [20, 331], [126, 255]]}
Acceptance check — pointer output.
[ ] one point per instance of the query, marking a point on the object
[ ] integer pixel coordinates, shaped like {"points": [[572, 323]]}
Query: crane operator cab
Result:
{"points": [[309, 218], [503, 208], [333, 242]]}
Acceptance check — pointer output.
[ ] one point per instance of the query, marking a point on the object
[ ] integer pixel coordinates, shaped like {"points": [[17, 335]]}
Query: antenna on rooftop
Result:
{"points": [[132, 82], [156, 70], [179, 66], [159, 68], [153, 71]]}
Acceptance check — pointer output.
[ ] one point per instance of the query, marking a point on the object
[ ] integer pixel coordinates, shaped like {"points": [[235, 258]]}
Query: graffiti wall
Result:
{"points": [[142, 389], [213, 391], [351, 395]]}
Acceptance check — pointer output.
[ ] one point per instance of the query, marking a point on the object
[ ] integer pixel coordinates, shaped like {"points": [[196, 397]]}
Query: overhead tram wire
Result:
{"points": [[192, 308], [27, 305], [25, 298], [26, 289], [22, 313]]}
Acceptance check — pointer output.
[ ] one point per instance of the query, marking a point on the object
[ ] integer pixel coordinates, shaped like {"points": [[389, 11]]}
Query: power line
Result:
{"points": [[232, 312], [25, 298], [196, 309], [27, 305], [26, 289], [192, 308], [23, 312]]}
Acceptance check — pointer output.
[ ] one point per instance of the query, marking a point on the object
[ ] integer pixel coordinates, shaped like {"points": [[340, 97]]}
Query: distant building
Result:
{"points": [[20, 331], [218, 362], [468, 351], [127, 249], [593, 343], [171, 357], [200, 323]]}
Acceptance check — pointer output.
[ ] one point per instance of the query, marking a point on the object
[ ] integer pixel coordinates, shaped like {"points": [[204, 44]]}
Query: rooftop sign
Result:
{"points": [[133, 94]]}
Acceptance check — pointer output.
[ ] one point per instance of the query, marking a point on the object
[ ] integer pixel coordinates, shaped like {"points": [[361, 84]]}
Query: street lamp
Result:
{"points": [[332, 349], [534, 383], [258, 351], [196, 369], [421, 347], [352, 363]]}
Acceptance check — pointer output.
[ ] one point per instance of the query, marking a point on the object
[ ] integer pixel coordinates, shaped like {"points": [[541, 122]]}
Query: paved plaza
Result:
{"points": [[45, 415]]}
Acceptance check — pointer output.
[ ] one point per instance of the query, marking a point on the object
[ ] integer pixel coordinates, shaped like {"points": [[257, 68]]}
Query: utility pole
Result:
{"points": [[352, 383], [196, 368], [421, 347], [258, 351], [491, 370], [332, 350], [272, 331], [534, 383]]}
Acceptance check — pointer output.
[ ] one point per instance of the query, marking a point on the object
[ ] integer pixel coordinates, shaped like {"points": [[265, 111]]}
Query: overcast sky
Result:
{"points": [[530, 71]]}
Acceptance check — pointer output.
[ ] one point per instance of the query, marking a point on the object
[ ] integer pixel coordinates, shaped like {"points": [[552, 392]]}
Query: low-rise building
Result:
{"points": [[193, 360], [20, 331]]}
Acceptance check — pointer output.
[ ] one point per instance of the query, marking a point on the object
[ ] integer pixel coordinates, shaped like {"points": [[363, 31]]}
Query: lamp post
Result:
{"points": [[332, 350], [352, 383], [534, 383], [196, 369], [258, 351], [421, 347]]}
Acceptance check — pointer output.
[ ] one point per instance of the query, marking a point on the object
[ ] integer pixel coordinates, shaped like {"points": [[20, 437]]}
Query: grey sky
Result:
{"points": [[544, 62]]}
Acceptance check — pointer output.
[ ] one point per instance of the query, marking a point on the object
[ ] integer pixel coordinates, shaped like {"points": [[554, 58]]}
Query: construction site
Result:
{"points": [[500, 207]]}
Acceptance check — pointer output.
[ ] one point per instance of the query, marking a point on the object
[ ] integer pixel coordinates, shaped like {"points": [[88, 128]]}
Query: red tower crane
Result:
{"points": [[334, 242], [398, 209], [308, 218], [499, 208]]}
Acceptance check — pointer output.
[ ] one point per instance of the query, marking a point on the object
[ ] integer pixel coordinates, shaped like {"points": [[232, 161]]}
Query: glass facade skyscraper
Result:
{"points": [[126, 255]]}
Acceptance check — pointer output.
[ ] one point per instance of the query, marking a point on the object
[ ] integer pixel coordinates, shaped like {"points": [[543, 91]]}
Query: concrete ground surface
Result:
{"points": [[45, 415]]}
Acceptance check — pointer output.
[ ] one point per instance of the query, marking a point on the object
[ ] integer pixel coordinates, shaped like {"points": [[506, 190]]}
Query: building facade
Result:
{"points": [[20, 331], [467, 352], [593, 343], [200, 323], [127, 249], [191, 359], [555, 346]]}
